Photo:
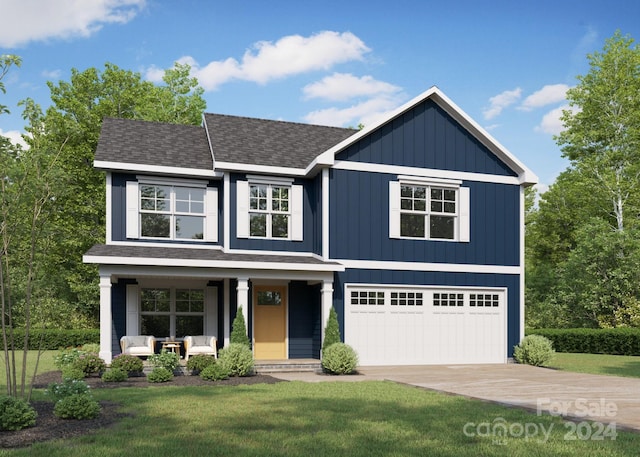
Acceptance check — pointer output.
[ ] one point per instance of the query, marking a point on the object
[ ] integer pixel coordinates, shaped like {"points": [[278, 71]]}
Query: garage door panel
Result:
{"points": [[410, 329]]}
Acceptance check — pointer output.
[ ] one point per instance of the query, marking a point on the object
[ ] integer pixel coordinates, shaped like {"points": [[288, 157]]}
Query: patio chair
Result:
{"points": [[139, 345], [201, 344]]}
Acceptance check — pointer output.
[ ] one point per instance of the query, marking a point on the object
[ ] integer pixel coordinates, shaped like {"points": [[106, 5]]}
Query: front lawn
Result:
{"points": [[615, 365], [323, 419]]}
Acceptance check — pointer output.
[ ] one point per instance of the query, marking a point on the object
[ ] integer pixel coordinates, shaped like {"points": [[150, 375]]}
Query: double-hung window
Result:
{"points": [[171, 210], [172, 312], [269, 211], [269, 208], [428, 210]]}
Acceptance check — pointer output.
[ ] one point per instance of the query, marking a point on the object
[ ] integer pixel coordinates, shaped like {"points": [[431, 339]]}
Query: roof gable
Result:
{"points": [[251, 141]]}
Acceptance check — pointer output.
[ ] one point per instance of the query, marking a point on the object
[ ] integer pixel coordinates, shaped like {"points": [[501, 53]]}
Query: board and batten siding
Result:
{"points": [[304, 320], [436, 279], [359, 224], [426, 137]]}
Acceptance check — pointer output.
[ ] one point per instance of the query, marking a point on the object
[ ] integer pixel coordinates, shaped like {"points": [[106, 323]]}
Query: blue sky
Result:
{"points": [[507, 64]]}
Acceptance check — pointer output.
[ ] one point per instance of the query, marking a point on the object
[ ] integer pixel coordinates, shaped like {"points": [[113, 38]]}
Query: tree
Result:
{"points": [[331, 331], [239, 330]]}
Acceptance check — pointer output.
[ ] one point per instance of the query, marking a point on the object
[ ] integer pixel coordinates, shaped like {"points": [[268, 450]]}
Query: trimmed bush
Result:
{"points": [[16, 414], [92, 348], [331, 331], [166, 359], [534, 350], [339, 358], [78, 406], [239, 330], [215, 372], [54, 339], [66, 357], [72, 373], [237, 359], [68, 387], [115, 375], [199, 362], [615, 341], [160, 374], [90, 364], [127, 362]]}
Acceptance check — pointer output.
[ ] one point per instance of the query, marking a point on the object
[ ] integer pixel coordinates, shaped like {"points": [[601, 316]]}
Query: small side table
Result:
{"points": [[173, 346]]}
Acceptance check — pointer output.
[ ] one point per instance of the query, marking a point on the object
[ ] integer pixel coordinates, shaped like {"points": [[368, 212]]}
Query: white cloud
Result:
{"points": [[501, 101], [52, 74], [550, 94], [367, 112], [24, 21], [341, 87], [551, 122], [14, 136], [290, 55]]}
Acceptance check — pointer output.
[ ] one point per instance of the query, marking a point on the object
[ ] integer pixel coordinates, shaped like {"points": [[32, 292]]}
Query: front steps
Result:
{"points": [[287, 366]]}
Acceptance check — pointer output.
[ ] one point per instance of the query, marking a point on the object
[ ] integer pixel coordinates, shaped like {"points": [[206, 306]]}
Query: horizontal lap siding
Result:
{"points": [[359, 227], [422, 278]]}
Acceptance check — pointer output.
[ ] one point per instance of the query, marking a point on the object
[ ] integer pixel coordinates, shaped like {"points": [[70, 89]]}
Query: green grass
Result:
{"points": [[372, 418], [46, 364], [615, 365]]}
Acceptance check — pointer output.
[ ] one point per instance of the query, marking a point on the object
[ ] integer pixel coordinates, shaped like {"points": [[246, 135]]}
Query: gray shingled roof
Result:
{"points": [[154, 143], [155, 252], [265, 142]]}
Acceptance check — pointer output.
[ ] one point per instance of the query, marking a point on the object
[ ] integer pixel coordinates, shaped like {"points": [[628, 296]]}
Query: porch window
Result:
{"points": [[172, 312]]}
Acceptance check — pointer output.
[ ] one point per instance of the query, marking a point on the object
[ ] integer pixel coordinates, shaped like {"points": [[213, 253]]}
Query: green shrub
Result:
{"points": [[115, 375], [54, 339], [331, 331], [127, 362], [339, 358], [239, 330], [72, 373], [78, 406], [534, 350], [92, 348], [66, 357], [16, 414], [166, 359], [237, 359], [90, 364], [66, 388], [616, 341], [215, 372], [160, 374], [199, 362]]}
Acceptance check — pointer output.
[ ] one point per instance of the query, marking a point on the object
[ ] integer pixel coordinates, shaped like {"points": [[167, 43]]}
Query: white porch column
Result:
{"points": [[225, 314], [243, 299], [105, 318], [326, 304]]}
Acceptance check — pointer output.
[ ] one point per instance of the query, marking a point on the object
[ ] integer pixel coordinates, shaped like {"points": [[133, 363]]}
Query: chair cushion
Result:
{"points": [[201, 340], [138, 340]]}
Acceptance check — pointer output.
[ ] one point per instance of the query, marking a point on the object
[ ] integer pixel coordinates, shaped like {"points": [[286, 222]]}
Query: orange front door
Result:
{"points": [[270, 322]]}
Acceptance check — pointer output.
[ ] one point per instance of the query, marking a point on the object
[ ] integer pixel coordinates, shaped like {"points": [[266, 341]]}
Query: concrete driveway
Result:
{"points": [[577, 396]]}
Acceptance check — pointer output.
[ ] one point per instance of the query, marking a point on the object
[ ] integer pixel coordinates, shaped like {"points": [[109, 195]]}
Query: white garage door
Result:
{"points": [[417, 325]]}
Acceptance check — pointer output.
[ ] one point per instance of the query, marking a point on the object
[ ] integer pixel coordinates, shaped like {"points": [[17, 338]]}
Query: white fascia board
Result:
{"points": [[206, 129], [423, 266], [264, 169], [224, 264], [425, 172], [525, 176], [155, 169]]}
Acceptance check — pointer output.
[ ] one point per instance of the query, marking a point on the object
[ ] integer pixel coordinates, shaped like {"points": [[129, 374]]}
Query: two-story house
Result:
{"points": [[411, 228]]}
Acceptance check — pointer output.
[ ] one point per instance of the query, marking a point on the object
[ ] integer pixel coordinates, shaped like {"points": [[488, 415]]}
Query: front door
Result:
{"points": [[270, 322]]}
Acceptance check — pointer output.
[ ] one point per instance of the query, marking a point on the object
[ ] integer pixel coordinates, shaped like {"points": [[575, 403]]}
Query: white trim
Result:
{"points": [[429, 173], [108, 209], [525, 176], [242, 209], [106, 321], [437, 287], [211, 214], [275, 180], [226, 318], [296, 206], [226, 211], [132, 213], [423, 266], [133, 309], [325, 213], [267, 169], [464, 214], [161, 169], [169, 181], [206, 129], [280, 253], [394, 209], [280, 266], [211, 311], [176, 244], [428, 181], [522, 263]]}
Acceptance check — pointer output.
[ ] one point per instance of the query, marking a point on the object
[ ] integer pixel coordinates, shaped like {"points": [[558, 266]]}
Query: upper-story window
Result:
{"points": [[269, 211], [269, 208], [421, 209], [180, 210]]}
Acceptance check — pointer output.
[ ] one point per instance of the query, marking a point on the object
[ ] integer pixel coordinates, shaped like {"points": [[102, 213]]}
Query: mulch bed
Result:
{"points": [[49, 427]]}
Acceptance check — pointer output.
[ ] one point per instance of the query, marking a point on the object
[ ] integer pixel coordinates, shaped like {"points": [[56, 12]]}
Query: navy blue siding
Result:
{"points": [[316, 211], [511, 282], [426, 137], [307, 245], [119, 209], [359, 215], [119, 313], [304, 321]]}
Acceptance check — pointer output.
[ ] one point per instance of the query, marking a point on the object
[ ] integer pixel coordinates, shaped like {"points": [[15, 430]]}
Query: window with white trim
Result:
{"points": [[171, 312], [436, 210], [158, 209]]}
